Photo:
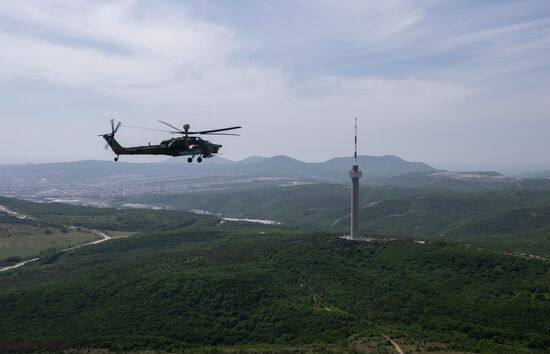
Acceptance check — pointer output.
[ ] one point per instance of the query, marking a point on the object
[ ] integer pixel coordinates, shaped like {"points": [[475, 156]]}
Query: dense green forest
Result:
{"points": [[188, 282], [244, 286], [103, 218]]}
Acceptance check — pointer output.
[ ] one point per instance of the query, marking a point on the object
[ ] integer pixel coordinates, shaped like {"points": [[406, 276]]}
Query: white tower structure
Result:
{"points": [[355, 174]]}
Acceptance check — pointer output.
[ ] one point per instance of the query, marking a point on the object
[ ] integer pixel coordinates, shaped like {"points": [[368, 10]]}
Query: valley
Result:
{"points": [[97, 183]]}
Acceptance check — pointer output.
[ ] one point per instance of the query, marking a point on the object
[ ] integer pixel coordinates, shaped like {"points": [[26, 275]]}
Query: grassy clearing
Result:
{"points": [[26, 240]]}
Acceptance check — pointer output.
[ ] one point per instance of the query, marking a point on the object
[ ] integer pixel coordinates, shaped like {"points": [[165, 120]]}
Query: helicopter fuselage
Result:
{"points": [[184, 146]]}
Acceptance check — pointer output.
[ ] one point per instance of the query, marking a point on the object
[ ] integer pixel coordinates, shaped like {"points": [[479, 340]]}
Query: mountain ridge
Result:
{"points": [[93, 177], [332, 169]]}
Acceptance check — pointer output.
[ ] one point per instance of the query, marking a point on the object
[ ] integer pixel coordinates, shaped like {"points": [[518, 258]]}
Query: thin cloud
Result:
{"points": [[293, 73]]}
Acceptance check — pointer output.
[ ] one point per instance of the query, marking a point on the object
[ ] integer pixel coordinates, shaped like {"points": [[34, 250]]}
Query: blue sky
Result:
{"points": [[458, 84]]}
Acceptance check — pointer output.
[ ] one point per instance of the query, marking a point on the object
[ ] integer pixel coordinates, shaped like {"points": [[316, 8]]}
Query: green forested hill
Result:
{"points": [[242, 286], [105, 218], [48, 228], [518, 217]]}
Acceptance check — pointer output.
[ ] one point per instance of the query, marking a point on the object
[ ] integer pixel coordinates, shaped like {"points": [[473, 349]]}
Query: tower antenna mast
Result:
{"points": [[355, 152]]}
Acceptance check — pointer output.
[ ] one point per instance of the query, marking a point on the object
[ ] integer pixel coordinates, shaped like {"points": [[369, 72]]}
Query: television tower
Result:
{"points": [[355, 174]]}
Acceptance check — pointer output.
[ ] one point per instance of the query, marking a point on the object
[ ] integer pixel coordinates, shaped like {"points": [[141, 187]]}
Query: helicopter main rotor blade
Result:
{"points": [[214, 130], [219, 134], [171, 126], [157, 130], [112, 125]]}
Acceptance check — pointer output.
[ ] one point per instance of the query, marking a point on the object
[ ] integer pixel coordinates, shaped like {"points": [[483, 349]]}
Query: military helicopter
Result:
{"points": [[187, 145]]}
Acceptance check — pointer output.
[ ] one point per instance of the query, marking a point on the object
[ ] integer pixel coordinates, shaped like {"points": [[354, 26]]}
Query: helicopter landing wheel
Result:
{"points": [[190, 160], [199, 160], [116, 159]]}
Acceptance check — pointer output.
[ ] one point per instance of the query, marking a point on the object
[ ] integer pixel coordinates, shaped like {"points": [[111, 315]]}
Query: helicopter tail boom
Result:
{"points": [[115, 146], [111, 141]]}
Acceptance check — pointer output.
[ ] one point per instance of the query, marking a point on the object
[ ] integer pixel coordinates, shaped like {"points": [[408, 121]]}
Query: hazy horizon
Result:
{"points": [[504, 169]]}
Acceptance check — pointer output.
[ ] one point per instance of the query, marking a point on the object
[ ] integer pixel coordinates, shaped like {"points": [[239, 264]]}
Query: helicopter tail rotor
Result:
{"points": [[110, 137], [113, 128]]}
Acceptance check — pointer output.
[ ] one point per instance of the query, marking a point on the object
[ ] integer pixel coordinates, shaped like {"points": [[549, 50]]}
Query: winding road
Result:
{"points": [[104, 237], [3, 209]]}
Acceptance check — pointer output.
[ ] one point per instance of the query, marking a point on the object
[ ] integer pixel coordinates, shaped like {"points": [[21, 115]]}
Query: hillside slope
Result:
{"points": [[247, 287], [420, 213]]}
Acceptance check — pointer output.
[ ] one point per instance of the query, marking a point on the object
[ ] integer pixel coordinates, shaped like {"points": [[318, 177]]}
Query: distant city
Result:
{"points": [[102, 183]]}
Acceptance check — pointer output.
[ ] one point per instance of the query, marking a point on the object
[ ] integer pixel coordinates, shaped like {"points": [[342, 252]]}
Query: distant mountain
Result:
{"points": [[90, 178], [95, 181], [335, 170], [252, 159], [380, 166]]}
